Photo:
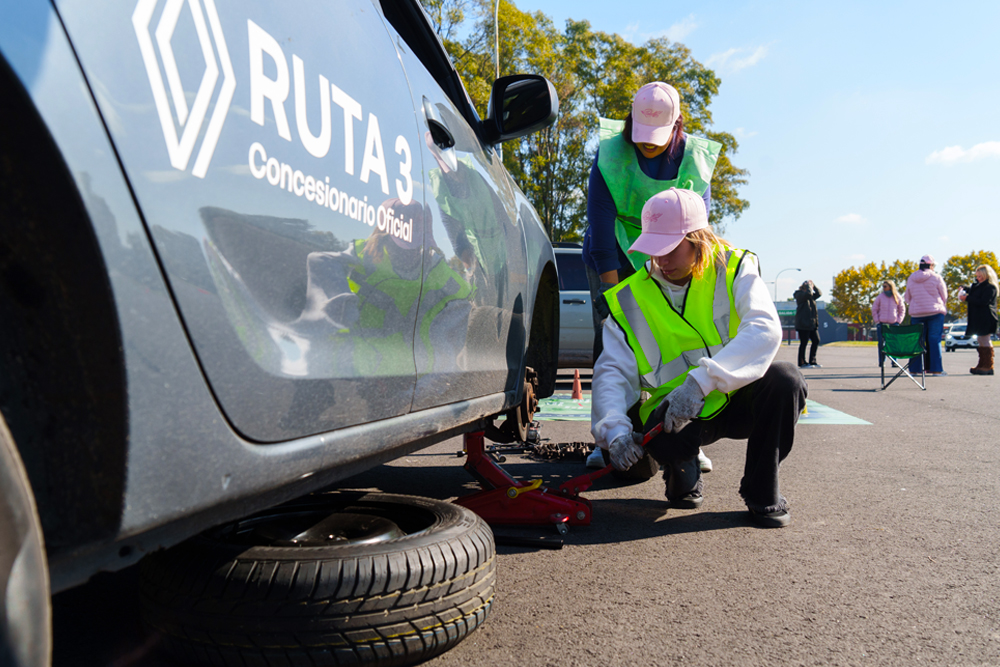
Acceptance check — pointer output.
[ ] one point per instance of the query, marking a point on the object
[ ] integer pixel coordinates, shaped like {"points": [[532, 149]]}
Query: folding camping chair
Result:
{"points": [[901, 344]]}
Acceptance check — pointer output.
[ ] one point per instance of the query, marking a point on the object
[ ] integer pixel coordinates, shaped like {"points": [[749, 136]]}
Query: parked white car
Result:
{"points": [[576, 323], [956, 337]]}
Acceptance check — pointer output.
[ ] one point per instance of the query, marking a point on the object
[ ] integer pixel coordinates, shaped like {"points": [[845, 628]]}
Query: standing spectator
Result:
{"points": [[887, 308], [981, 298], [807, 322], [926, 295]]}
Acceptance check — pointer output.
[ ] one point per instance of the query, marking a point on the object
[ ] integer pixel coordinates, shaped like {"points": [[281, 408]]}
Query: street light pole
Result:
{"points": [[776, 282], [496, 31]]}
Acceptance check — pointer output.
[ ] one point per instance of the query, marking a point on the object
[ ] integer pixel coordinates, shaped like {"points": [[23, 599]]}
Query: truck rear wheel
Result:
{"points": [[340, 578]]}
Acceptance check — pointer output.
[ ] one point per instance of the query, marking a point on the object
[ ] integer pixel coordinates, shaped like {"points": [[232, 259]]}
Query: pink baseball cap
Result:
{"points": [[655, 109], [667, 217], [927, 259]]}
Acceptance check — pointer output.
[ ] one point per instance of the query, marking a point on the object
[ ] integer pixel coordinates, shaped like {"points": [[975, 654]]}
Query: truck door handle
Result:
{"points": [[579, 302], [440, 134]]}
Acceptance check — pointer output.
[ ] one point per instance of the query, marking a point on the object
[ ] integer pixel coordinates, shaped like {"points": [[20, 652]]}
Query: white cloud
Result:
{"points": [[743, 133], [734, 60], [954, 154], [856, 258], [851, 219], [679, 31], [674, 33], [944, 239]]}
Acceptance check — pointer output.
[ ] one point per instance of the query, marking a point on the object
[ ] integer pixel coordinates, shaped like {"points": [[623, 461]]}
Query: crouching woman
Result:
{"points": [[696, 328]]}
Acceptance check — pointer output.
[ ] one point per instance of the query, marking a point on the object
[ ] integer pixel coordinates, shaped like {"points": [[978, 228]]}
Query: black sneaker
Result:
{"points": [[691, 501], [778, 519]]}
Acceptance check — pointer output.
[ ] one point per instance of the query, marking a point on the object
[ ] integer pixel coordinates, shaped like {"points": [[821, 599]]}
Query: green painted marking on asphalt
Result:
{"points": [[817, 413], [563, 407]]}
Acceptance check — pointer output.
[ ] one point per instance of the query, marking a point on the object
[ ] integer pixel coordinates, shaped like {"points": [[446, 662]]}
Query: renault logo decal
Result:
{"points": [[188, 121]]}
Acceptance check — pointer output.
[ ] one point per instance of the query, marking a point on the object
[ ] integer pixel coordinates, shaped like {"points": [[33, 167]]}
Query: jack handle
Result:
{"points": [[578, 485]]}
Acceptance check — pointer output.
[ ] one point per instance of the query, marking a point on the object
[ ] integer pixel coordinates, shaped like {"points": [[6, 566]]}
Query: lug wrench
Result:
{"points": [[580, 484]]}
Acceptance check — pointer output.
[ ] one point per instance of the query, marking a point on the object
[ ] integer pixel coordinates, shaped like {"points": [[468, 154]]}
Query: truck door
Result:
{"points": [[470, 329], [274, 155]]}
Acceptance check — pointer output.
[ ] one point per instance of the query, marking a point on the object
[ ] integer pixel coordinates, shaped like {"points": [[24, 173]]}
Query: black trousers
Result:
{"points": [[765, 413], [806, 337]]}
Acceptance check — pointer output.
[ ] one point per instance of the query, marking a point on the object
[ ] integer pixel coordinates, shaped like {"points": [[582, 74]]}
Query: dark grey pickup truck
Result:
{"points": [[249, 249]]}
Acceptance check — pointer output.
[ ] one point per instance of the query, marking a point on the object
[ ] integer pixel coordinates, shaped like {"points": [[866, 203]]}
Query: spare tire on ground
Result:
{"points": [[340, 578]]}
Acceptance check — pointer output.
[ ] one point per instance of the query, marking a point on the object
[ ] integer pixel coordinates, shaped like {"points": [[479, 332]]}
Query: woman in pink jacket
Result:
{"points": [[926, 295], [887, 308]]}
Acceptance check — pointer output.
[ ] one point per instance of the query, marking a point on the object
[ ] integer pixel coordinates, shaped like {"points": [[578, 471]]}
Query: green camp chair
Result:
{"points": [[901, 344]]}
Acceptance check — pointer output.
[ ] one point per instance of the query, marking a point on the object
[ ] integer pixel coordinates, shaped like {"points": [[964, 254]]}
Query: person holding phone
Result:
{"points": [[981, 298], [807, 322]]}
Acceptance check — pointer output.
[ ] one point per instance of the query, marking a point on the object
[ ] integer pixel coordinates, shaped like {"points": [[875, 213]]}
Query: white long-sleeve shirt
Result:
{"points": [[745, 359]]}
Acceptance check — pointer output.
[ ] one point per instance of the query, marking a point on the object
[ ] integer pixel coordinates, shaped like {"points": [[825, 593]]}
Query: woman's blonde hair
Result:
{"points": [[991, 275], [705, 243], [895, 292]]}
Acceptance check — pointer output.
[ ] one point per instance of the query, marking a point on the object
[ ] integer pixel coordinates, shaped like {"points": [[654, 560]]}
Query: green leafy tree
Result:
{"points": [[547, 164], [959, 271], [898, 272], [446, 16], [853, 291]]}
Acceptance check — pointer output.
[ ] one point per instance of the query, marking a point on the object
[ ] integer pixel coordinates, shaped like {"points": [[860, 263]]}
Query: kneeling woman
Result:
{"points": [[697, 329]]}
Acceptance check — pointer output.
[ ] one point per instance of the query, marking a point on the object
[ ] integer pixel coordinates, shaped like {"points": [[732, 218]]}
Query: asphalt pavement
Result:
{"points": [[891, 557]]}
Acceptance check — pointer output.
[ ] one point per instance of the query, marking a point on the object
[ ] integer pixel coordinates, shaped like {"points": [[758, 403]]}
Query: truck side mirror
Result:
{"points": [[519, 105]]}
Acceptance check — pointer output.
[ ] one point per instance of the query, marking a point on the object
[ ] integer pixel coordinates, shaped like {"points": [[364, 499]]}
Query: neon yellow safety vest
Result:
{"points": [[631, 188], [668, 342]]}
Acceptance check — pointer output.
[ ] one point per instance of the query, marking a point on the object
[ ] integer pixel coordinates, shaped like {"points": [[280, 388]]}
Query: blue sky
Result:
{"points": [[871, 130]]}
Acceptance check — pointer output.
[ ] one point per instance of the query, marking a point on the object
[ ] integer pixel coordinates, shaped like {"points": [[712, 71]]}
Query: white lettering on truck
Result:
{"points": [[320, 192], [317, 146], [276, 92]]}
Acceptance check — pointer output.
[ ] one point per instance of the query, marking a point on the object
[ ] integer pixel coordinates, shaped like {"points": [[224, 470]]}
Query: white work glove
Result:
{"points": [[685, 403], [626, 450]]}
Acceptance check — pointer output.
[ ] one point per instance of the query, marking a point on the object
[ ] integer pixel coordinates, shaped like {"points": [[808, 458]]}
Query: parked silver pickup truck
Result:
{"points": [[249, 249]]}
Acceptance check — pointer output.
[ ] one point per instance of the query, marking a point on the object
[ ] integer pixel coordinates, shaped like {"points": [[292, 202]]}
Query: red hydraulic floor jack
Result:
{"points": [[506, 501]]}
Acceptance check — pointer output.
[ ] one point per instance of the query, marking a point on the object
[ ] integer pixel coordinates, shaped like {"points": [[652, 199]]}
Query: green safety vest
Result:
{"points": [[386, 299], [442, 286], [631, 188], [668, 342], [472, 205]]}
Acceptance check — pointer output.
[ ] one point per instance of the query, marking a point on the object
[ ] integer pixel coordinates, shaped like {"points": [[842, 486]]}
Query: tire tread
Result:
{"points": [[254, 607]]}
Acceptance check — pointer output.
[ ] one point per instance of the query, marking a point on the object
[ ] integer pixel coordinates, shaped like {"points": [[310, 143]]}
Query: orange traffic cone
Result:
{"points": [[577, 389]]}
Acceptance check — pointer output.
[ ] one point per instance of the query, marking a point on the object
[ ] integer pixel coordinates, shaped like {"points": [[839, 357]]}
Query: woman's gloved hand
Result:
{"points": [[626, 450], [685, 403]]}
